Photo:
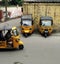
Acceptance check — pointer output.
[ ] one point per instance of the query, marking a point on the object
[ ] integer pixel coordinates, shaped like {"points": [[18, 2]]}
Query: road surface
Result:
{"points": [[37, 50]]}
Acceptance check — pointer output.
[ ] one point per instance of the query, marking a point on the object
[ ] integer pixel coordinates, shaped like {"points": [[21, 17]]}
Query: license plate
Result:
{"points": [[46, 31]]}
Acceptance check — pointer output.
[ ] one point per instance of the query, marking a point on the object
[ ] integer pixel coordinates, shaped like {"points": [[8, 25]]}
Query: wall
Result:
{"points": [[43, 9]]}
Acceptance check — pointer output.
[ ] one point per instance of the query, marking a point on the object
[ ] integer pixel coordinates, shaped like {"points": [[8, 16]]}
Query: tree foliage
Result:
{"points": [[13, 2], [17, 2], [3, 2]]}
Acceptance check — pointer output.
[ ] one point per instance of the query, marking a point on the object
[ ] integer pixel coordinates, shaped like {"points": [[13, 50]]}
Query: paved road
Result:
{"points": [[38, 50], [13, 22]]}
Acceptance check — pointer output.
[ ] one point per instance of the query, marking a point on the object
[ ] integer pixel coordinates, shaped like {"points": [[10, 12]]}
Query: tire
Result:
{"points": [[21, 47], [26, 35], [45, 35]]}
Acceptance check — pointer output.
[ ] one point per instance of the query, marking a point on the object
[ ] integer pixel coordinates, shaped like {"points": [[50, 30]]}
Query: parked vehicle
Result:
{"points": [[27, 25], [45, 25]]}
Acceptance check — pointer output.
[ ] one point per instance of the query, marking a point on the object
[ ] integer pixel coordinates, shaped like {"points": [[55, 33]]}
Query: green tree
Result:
{"points": [[18, 2], [5, 3]]}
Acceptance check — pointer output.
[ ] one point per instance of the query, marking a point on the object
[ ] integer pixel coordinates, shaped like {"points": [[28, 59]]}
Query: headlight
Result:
{"points": [[10, 42], [17, 40], [22, 28], [50, 29], [42, 29], [30, 28]]}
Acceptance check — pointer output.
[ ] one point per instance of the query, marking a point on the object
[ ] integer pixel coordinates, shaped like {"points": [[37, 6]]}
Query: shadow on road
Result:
{"points": [[8, 50]]}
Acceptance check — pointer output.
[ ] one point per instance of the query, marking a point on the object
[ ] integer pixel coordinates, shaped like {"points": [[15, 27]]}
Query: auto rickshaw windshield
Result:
{"points": [[46, 22], [15, 32], [26, 22]]}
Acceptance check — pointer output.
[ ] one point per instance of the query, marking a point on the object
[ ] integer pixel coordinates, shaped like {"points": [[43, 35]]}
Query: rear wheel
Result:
{"points": [[21, 47]]}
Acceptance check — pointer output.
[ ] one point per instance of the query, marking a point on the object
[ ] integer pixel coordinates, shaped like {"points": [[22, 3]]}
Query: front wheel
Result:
{"points": [[45, 35], [21, 47], [26, 35]]}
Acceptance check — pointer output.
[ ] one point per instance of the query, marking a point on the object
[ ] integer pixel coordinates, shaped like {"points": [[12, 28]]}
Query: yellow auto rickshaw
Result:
{"points": [[45, 25], [10, 39], [27, 25]]}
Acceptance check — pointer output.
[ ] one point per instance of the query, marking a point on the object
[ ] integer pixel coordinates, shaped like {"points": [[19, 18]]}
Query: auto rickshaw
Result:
{"points": [[27, 25], [45, 25], [13, 41]]}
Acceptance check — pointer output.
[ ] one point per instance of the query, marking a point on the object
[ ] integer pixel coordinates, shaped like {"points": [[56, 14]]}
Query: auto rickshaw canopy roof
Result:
{"points": [[29, 16], [46, 18]]}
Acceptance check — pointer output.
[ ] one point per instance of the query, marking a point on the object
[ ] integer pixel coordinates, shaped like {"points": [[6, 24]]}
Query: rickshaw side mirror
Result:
{"points": [[40, 22], [21, 22], [32, 22], [52, 22]]}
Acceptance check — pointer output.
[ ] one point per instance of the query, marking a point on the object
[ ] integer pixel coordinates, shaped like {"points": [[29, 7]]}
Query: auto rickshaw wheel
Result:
{"points": [[45, 35], [21, 47], [26, 35]]}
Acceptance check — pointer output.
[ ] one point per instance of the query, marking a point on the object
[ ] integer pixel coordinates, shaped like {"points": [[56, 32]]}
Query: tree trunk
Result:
{"points": [[6, 7]]}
